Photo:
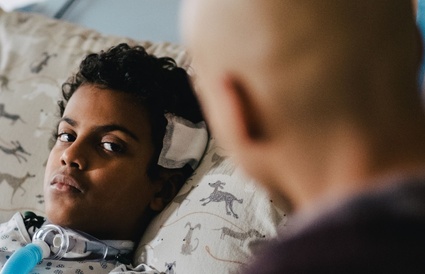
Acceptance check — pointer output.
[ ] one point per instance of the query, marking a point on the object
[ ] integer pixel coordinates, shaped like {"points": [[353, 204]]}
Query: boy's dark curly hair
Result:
{"points": [[157, 83]]}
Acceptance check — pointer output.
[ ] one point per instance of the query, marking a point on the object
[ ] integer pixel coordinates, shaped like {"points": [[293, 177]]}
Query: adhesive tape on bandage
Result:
{"points": [[184, 142]]}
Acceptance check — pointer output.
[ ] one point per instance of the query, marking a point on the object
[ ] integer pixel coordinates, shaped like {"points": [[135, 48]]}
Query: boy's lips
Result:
{"points": [[64, 182]]}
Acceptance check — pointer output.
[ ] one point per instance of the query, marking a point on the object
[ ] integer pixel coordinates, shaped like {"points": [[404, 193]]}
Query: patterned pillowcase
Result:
{"points": [[214, 224], [216, 220]]}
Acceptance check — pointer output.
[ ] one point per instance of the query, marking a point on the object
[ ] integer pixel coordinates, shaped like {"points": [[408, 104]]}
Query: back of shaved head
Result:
{"points": [[313, 61], [318, 100]]}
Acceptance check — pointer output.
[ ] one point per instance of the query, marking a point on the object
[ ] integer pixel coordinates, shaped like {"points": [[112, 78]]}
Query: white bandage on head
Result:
{"points": [[184, 143]]}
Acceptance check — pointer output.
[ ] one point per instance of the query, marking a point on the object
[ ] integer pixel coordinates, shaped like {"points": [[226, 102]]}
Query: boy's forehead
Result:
{"points": [[106, 106]]}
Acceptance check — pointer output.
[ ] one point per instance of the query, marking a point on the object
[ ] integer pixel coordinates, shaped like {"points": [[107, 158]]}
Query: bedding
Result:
{"points": [[214, 224]]}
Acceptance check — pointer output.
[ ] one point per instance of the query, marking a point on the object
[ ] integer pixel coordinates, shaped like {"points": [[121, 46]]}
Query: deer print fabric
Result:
{"points": [[218, 220]]}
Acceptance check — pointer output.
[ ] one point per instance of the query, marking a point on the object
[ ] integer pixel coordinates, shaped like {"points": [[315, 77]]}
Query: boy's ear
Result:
{"points": [[171, 181]]}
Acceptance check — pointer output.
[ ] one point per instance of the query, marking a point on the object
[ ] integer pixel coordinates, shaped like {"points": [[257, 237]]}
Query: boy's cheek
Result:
{"points": [[53, 157], [52, 162]]}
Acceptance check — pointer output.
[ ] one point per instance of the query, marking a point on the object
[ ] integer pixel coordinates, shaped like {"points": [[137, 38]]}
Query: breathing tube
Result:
{"points": [[54, 242]]}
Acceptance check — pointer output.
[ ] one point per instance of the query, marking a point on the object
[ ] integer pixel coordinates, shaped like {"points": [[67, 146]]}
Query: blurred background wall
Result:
{"points": [[153, 20]]}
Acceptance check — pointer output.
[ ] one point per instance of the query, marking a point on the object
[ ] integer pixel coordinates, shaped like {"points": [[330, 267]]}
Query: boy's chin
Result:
{"points": [[58, 216]]}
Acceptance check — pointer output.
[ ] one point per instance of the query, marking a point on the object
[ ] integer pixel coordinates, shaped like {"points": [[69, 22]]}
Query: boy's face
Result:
{"points": [[96, 176]]}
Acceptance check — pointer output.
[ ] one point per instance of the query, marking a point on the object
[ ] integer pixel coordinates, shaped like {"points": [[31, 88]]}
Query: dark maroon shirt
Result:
{"points": [[379, 232]]}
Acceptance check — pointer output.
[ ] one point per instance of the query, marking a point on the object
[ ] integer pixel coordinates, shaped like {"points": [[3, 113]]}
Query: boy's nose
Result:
{"points": [[75, 156]]}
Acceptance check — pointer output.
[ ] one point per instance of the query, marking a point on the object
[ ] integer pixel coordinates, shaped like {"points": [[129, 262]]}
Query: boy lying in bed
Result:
{"points": [[117, 160]]}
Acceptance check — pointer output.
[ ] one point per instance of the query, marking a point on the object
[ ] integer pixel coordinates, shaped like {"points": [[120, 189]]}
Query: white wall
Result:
{"points": [[154, 20]]}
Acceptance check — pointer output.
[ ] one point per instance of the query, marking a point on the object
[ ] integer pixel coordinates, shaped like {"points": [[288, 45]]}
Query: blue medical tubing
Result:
{"points": [[55, 242], [25, 259]]}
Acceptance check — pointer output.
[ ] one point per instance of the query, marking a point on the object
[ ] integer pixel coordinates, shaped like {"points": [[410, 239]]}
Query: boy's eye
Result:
{"points": [[66, 137], [112, 147]]}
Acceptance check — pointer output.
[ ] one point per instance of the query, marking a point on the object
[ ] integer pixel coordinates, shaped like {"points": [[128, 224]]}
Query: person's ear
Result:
{"points": [[415, 6], [243, 114], [421, 59], [170, 182]]}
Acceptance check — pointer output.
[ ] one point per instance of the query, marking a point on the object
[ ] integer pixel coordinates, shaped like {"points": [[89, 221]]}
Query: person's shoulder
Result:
{"points": [[400, 198], [376, 232]]}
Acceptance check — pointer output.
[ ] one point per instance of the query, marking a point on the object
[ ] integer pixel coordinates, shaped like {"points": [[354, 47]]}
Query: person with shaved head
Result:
{"points": [[319, 101]]}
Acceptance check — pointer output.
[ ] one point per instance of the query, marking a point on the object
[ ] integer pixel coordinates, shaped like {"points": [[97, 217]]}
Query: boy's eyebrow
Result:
{"points": [[114, 127], [68, 121], [103, 128]]}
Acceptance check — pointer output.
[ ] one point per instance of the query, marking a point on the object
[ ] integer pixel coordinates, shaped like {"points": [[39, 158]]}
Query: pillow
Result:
{"points": [[214, 223]]}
